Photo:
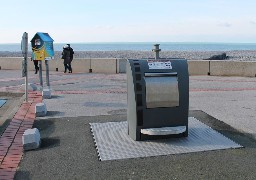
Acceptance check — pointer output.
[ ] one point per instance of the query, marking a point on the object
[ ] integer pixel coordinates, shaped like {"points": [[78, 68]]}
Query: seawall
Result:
{"points": [[117, 65]]}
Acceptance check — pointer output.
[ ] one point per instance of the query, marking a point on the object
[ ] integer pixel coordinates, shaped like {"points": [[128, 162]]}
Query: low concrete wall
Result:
{"points": [[104, 65], [198, 67], [10, 62], [195, 67], [78, 65], [112, 66], [98, 65], [233, 68]]}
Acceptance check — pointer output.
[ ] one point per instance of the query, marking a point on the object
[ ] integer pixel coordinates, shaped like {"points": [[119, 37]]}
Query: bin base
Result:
{"points": [[164, 130]]}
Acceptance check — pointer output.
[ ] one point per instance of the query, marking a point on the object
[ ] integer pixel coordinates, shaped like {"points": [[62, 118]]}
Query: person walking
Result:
{"points": [[67, 59], [71, 55], [71, 51], [36, 65]]}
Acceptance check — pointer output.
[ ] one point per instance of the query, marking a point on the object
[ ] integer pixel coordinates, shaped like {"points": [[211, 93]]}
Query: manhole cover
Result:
{"points": [[2, 102]]}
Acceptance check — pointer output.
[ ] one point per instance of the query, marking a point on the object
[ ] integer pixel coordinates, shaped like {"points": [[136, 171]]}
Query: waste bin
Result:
{"points": [[157, 98]]}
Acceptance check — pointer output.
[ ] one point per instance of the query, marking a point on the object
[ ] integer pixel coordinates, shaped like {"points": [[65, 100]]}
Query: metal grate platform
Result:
{"points": [[112, 141]]}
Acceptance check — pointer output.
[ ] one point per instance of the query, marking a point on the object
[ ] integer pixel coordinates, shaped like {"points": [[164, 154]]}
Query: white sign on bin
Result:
{"points": [[159, 64]]}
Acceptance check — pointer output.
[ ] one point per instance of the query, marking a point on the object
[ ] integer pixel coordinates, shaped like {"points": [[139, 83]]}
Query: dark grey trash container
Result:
{"points": [[158, 98]]}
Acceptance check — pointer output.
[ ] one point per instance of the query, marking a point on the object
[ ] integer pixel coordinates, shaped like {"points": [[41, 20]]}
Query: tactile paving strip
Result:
{"points": [[112, 141]]}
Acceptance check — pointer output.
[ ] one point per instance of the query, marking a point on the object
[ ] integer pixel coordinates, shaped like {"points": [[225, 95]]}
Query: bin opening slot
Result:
{"points": [[160, 74]]}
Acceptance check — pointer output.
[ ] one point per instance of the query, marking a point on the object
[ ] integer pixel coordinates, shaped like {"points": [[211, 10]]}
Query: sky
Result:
{"points": [[85, 21]]}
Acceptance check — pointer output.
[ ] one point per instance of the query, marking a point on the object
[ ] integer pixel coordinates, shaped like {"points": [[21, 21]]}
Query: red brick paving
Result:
{"points": [[11, 148]]}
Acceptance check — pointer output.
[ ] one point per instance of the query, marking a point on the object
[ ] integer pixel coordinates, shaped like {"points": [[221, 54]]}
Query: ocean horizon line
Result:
{"points": [[142, 46], [145, 42]]}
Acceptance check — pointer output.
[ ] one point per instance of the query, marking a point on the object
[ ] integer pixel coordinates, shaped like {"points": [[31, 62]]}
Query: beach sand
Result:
{"points": [[246, 55]]}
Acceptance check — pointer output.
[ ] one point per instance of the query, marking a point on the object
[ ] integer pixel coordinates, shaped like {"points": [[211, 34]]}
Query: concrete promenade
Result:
{"points": [[227, 104]]}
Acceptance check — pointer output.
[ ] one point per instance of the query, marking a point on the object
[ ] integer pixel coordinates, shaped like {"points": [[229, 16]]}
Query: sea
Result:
{"points": [[142, 46]]}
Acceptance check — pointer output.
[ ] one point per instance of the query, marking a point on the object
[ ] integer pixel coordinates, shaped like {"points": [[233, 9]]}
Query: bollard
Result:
{"points": [[40, 109], [31, 87], [156, 50], [90, 70], [31, 139], [46, 93]]}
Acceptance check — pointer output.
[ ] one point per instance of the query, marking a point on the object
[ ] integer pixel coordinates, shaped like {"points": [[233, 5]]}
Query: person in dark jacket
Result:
{"points": [[67, 59], [36, 65], [71, 52]]}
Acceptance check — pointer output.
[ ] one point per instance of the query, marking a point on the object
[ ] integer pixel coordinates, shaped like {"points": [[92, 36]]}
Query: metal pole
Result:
{"points": [[90, 70], [24, 48], [156, 50], [26, 78], [40, 74], [209, 73], [47, 73], [56, 65]]}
